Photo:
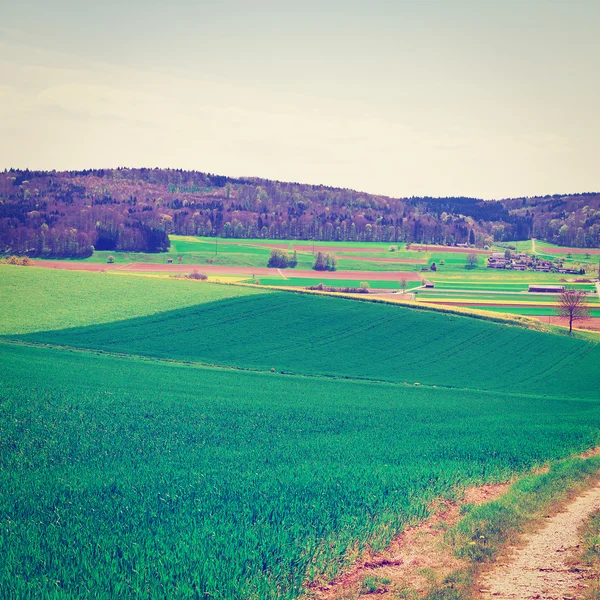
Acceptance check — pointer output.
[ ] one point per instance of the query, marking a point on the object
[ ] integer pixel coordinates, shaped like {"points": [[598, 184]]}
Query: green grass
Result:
{"points": [[490, 529], [124, 478], [589, 555], [34, 299], [501, 286], [306, 282]]}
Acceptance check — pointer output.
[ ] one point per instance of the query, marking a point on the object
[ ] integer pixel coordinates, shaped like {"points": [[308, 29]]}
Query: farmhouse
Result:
{"points": [[549, 289]]}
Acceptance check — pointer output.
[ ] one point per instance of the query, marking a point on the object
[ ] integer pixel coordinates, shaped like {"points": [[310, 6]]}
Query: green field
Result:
{"points": [[300, 282], [346, 338], [179, 439], [35, 299]]}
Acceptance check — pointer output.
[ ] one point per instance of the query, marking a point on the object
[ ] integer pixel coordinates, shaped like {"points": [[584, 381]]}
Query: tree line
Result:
{"points": [[72, 213]]}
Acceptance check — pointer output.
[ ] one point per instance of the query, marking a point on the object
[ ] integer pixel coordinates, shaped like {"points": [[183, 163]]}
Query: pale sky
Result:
{"points": [[481, 98]]}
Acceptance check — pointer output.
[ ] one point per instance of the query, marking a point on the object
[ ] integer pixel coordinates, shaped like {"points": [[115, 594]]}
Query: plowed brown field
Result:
{"points": [[227, 270]]}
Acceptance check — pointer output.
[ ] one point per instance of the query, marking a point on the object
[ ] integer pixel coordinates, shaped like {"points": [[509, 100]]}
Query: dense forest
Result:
{"points": [[72, 213]]}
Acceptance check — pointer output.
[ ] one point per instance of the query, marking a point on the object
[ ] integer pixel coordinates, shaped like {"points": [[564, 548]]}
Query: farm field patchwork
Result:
{"points": [[242, 442]]}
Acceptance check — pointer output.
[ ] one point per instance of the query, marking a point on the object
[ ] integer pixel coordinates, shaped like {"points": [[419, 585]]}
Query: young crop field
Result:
{"points": [[124, 478], [39, 299], [327, 336]]}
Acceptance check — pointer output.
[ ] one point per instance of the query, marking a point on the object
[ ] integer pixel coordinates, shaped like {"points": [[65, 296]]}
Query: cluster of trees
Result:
{"points": [[280, 259], [325, 262], [136, 210]]}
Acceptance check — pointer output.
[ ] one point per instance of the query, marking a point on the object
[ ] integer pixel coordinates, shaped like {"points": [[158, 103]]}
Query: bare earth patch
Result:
{"points": [[543, 568], [230, 270], [415, 557]]}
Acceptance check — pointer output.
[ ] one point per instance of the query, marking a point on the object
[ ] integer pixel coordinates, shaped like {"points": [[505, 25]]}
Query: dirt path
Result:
{"points": [[229, 270], [541, 569]]}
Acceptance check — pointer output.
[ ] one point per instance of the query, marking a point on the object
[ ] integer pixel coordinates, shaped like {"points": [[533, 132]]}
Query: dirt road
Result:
{"points": [[177, 268], [541, 568]]}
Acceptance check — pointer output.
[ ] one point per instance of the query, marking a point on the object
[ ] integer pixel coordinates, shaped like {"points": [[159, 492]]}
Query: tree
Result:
{"points": [[471, 261], [325, 262], [403, 283], [278, 259], [572, 305], [320, 263], [472, 238]]}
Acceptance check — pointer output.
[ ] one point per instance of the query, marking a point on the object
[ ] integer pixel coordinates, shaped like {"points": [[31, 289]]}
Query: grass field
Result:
{"points": [[300, 282], [240, 442], [123, 478], [347, 338], [39, 299]]}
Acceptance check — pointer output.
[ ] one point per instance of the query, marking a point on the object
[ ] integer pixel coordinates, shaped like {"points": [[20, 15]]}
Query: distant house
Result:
{"points": [[548, 289]]}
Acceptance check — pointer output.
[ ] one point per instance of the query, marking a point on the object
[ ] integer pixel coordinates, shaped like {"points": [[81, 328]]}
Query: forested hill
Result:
{"points": [[71, 213]]}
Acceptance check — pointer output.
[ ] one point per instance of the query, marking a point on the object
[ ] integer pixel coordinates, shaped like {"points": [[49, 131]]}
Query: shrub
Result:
{"points": [[24, 261], [196, 275], [110, 260], [345, 290]]}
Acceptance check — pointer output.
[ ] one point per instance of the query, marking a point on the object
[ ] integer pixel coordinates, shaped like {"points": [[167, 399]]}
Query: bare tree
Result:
{"points": [[403, 284], [471, 261], [572, 305]]}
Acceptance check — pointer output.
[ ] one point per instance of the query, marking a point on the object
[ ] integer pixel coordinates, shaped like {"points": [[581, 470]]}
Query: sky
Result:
{"points": [[482, 98]]}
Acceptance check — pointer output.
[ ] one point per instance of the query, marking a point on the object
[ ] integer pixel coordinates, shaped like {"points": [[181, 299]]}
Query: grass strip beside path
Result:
{"points": [[487, 530]]}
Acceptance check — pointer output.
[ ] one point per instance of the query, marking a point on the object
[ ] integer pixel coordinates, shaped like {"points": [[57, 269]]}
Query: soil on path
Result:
{"points": [[543, 568], [412, 557]]}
